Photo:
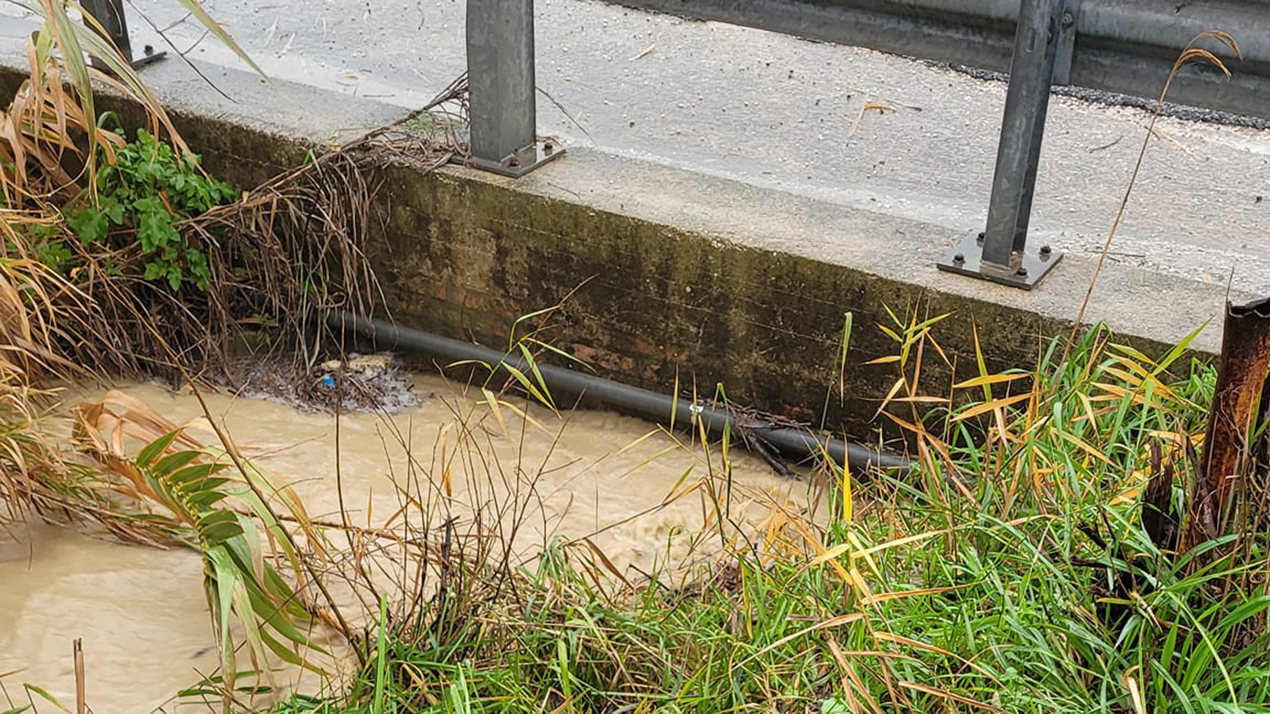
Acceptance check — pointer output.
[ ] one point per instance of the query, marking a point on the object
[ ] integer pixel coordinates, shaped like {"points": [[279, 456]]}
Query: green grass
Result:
{"points": [[1030, 588]]}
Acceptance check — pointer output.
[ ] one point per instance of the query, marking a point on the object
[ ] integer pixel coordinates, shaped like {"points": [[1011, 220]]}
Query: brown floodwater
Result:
{"points": [[141, 612]]}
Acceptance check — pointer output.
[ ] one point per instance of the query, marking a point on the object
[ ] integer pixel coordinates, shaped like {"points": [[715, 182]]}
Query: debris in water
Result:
{"points": [[356, 383]]}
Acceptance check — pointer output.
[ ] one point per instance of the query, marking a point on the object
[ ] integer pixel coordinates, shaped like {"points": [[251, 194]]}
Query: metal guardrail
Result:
{"points": [[1054, 41], [1108, 44], [1122, 46]]}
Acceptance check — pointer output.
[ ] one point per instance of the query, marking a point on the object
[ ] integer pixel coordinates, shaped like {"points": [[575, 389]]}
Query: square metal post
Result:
{"points": [[1066, 41], [501, 92], [110, 15], [999, 253]]}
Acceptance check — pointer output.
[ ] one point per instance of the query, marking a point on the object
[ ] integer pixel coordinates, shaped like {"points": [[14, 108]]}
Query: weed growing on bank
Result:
{"points": [[1010, 574]]}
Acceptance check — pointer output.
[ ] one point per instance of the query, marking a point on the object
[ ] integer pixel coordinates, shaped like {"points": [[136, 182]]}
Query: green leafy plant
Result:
{"points": [[148, 190], [239, 580], [42, 241], [216, 504]]}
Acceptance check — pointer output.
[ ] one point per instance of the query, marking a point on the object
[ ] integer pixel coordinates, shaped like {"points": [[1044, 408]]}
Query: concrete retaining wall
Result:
{"points": [[654, 305]]}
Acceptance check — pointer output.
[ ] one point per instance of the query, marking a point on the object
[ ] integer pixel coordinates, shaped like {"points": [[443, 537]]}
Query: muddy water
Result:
{"points": [[141, 612]]}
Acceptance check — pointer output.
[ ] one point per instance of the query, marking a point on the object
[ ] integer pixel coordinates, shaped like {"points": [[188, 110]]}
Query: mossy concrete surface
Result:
{"points": [[672, 279], [661, 306]]}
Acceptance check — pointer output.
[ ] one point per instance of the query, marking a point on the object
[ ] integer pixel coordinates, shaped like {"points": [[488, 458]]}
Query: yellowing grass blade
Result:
{"points": [[989, 406], [863, 553], [979, 362], [989, 379], [525, 415], [492, 401], [1135, 691], [639, 441], [900, 640], [829, 554], [1080, 444], [899, 383], [846, 492]]}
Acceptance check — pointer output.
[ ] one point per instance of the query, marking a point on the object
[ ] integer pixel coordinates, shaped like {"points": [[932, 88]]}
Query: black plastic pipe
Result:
{"points": [[799, 444]]}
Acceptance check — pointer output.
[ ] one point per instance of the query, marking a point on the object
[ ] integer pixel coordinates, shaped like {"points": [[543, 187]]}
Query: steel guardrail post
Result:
{"points": [[110, 15], [1067, 22], [501, 91], [999, 253]]}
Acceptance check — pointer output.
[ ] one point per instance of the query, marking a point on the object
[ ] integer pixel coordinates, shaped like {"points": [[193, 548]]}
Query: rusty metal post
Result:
{"points": [[1227, 462]]}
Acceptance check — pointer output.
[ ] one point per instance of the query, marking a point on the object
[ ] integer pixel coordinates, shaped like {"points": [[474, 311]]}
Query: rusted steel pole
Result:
{"points": [[1225, 460]]}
